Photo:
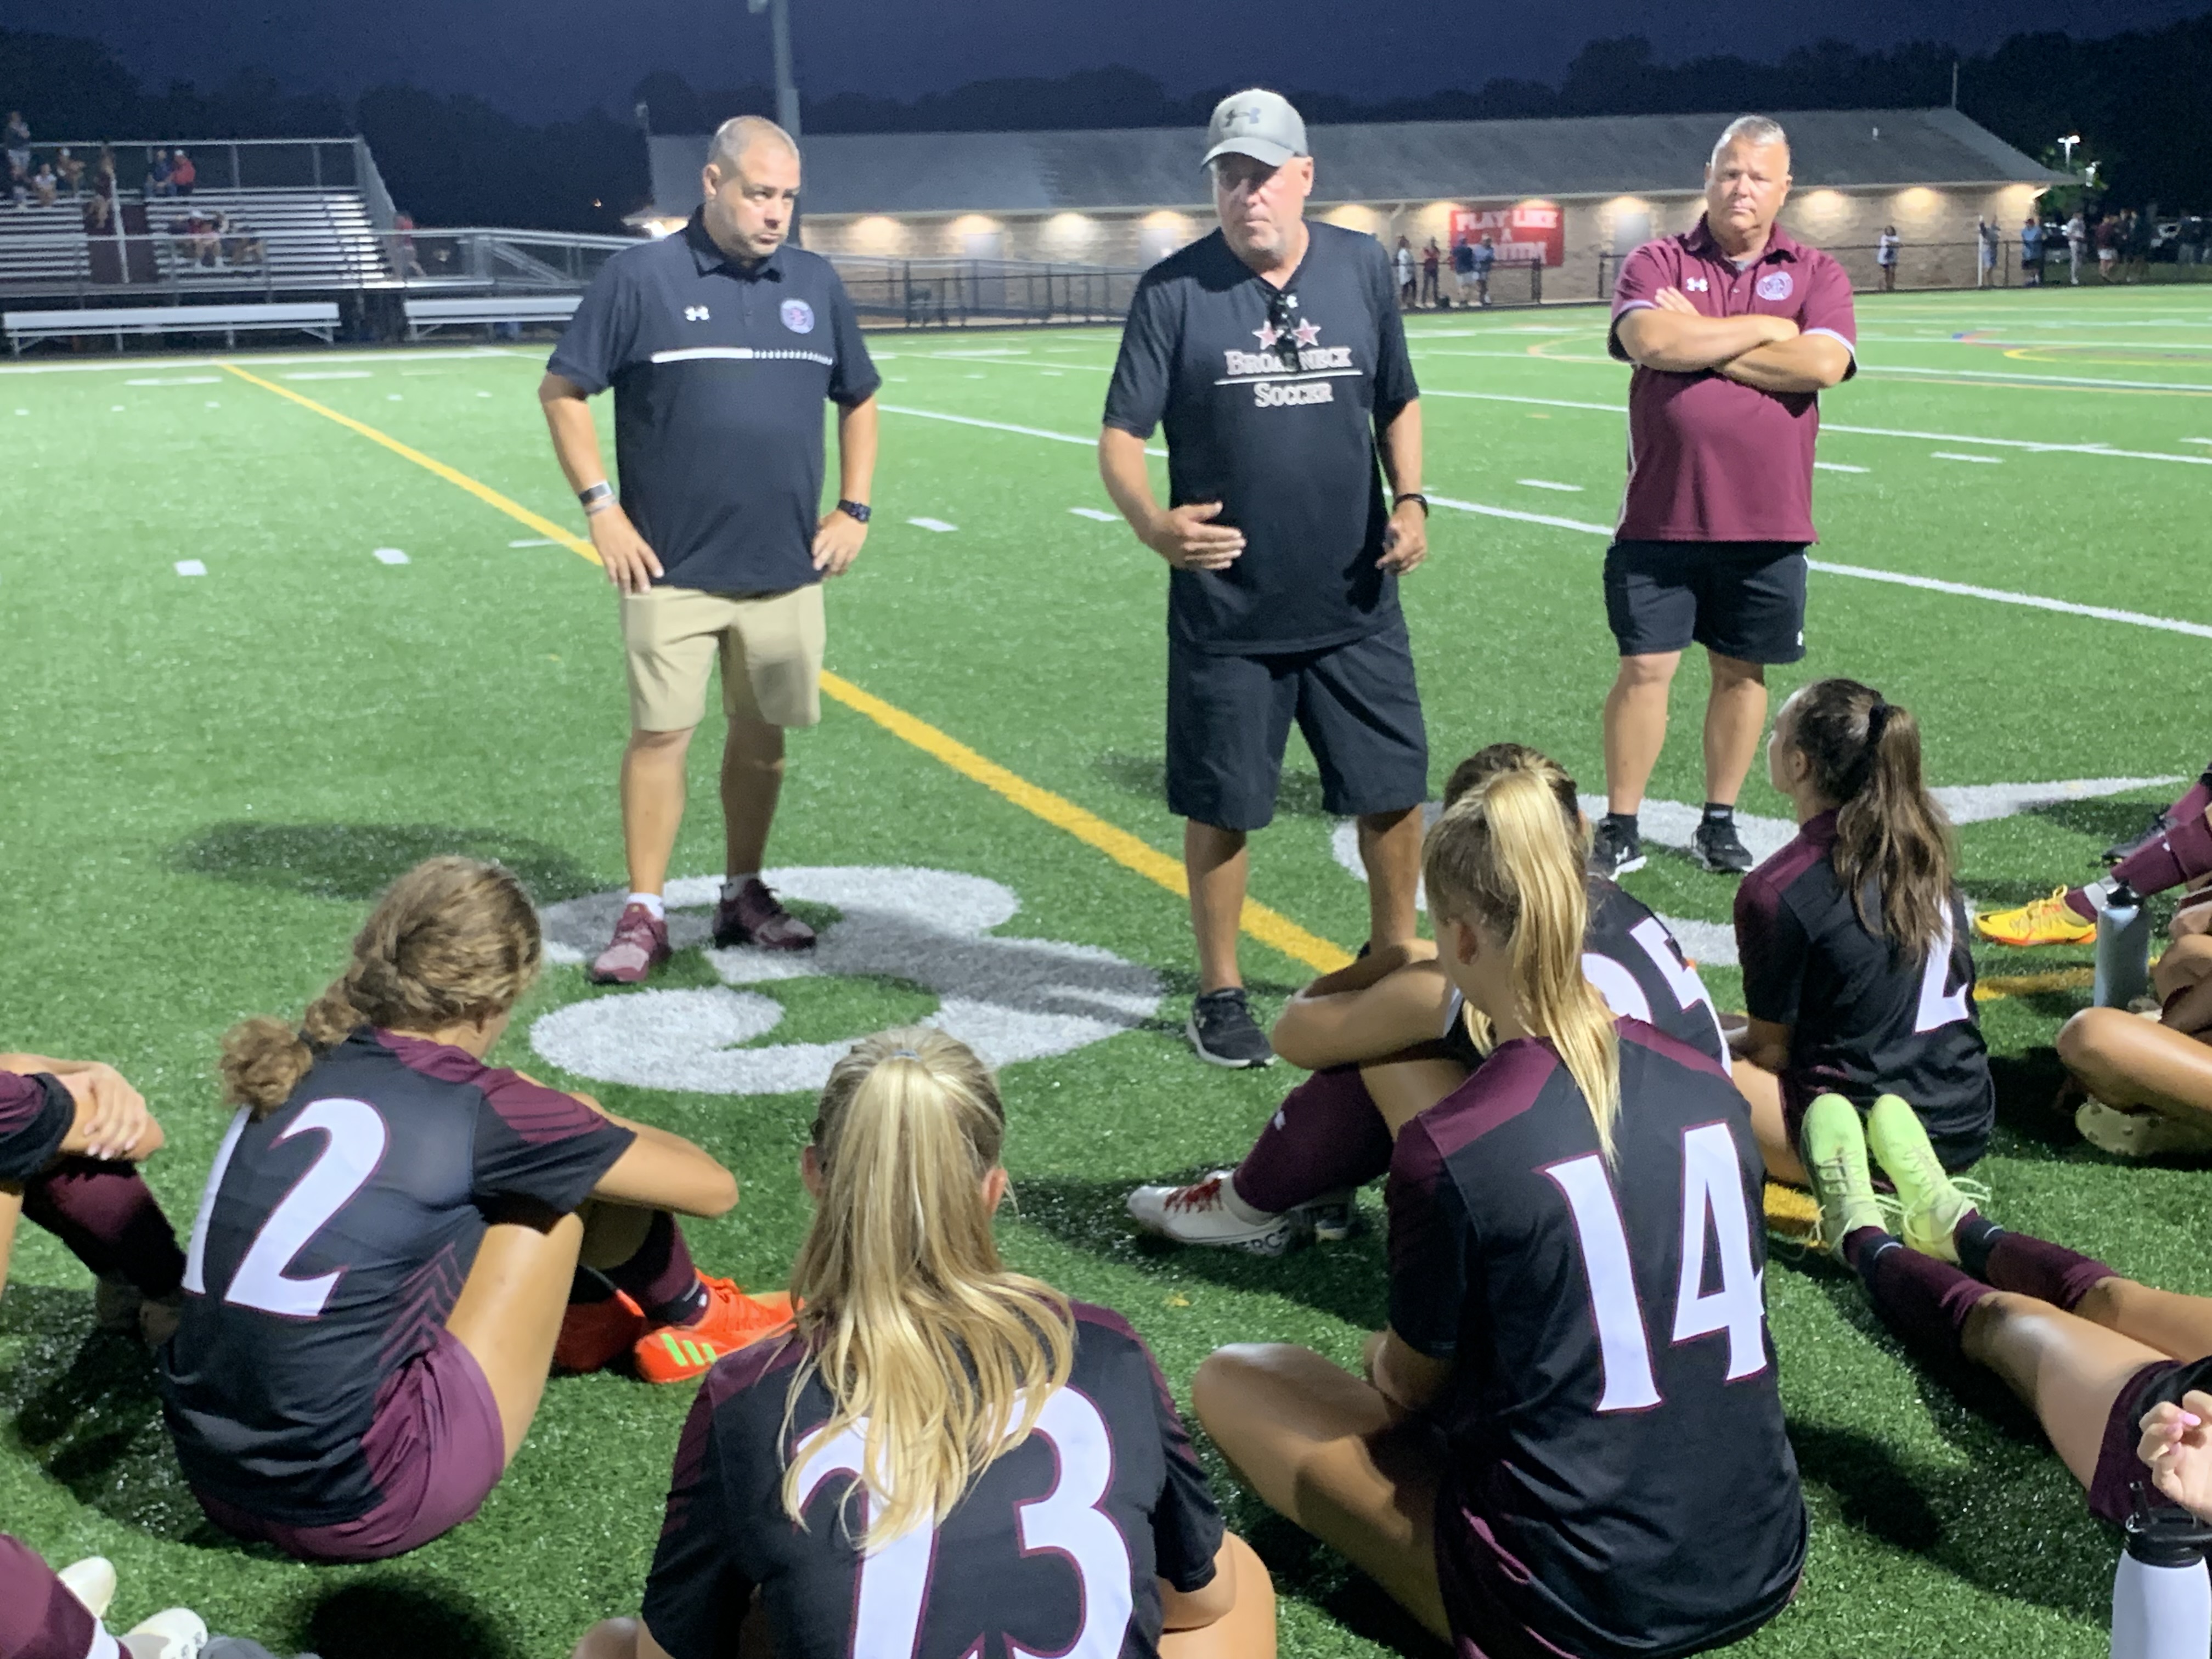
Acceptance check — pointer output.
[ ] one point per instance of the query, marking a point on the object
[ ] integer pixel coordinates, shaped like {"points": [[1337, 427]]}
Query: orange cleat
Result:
{"points": [[595, 1335], [678, 1353]]}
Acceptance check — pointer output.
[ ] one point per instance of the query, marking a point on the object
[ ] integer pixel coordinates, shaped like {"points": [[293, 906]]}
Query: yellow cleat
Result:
{"points": [[2042, 921]]}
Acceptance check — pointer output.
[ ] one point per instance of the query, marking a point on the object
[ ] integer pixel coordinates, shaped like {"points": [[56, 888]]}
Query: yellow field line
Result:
{"points": [[1269, 928]]}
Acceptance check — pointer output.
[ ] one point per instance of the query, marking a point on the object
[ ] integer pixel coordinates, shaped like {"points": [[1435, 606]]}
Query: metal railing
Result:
{"points": [[223, 163], [490, 259], [1921, 266], [1507, 283], [172, 263], [953, 293]]}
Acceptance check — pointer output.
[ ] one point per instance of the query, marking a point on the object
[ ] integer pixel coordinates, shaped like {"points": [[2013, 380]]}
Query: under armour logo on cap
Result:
{"points": [[1257, 123], [694, 313]]}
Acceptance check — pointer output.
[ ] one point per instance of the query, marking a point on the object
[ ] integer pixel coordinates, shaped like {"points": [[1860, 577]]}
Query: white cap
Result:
{"points": [[1258, 124]]}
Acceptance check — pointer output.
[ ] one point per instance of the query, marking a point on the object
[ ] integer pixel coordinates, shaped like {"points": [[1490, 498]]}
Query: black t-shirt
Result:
{"points": [[719, 372], [1619, 1477], [333, 1242], [1287, 448], [1639, 969], [36, 1115], [1863, 1020], [1056, 1549]]}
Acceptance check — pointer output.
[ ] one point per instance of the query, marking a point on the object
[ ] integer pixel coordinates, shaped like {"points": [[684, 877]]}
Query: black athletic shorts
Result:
{"points": [[1229, 718], [1742, 599]]}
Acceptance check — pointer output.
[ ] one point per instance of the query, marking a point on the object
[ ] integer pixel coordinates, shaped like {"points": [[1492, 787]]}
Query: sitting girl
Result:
{"points": [[388, 1240], [945, 1458], [1856, 971]]}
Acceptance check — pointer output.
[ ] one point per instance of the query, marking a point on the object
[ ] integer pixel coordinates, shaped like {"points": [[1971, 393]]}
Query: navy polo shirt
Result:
{"points": [[1277, 427], [719, 372]]}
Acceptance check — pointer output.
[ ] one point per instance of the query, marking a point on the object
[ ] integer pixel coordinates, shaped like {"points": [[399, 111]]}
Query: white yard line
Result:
{"points": [[1835, 467], [1950, 455], [391, 555], [190, 568], [937, 524], [2040, 379], [178, 379], [1545, 483], [328, 375], [533, 541], [1931, 584], [1093, 513], [141, 363]]}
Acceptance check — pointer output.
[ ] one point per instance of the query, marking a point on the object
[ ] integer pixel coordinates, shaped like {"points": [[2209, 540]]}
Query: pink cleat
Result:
{"points": [[754, 918], [639, 946]]}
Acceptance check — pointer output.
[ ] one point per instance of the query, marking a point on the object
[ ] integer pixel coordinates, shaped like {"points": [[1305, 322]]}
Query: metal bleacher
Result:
{"points": [[276, 242]]}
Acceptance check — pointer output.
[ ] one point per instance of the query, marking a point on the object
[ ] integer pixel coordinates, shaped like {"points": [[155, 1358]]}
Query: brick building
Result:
{"points": [[1573, 194]]}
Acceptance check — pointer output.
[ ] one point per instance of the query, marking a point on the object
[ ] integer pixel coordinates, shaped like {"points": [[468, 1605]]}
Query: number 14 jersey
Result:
{"points": [[1055, 1550]]}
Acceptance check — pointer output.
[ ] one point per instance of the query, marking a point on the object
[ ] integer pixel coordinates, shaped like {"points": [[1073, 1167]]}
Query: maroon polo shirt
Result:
{"points": [[1711, 460]]}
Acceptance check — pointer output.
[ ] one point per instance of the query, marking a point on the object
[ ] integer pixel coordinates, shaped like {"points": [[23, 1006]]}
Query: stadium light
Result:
{"points": [[2066, 143]]}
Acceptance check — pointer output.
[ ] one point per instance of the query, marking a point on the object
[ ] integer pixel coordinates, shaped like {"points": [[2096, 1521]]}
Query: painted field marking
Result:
{"points": [[190, 568], [1268, 926], [391, 397], [2096, 381], [483, 492], [115, 408], [2028, 444], [1545, 483], [1836, 466], [1094, 512], [937, 524], [532, 541], [1952, 455], [329, 374], [391, 555], [2187, 440], [140, 364], [177, 379], [1960, 590]]}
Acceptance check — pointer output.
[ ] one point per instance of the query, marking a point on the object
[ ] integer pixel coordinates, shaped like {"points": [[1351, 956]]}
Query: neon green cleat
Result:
{"points": [[1933, 1206], [1834, 1149]]}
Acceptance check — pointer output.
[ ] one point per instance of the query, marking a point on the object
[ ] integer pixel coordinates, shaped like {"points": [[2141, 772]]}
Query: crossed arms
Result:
{"points": [[1767, 353]]}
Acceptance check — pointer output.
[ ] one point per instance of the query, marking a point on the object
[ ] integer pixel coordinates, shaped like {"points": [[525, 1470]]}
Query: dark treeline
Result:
{"points": [[2139, 99]]}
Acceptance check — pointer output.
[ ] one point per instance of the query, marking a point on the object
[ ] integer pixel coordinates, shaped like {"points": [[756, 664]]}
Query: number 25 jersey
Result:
{"points": [[333, 1242], [1056, 1549]]}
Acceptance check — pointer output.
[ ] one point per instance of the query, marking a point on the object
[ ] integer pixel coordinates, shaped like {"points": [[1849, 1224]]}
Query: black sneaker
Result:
{"points": [[1715, 845], [2120, 849], [1221, 1029], [1616, 848]]}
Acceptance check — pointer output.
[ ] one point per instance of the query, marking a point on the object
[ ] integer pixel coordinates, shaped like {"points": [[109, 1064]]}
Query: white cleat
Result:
{"points": [[173, 1633], [92, 1580], [1208, 1212]]}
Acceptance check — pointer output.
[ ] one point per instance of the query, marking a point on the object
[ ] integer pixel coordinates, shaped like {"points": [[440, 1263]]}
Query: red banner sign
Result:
{"points": [[1525, 232]]}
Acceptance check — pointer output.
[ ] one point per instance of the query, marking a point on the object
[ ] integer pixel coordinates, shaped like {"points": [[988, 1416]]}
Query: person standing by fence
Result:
{"points": [[2030, 252], [1884, 256], [1985, 251]]}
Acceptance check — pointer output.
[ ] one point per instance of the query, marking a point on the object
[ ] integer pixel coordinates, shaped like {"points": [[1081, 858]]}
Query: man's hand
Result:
{"points": [[838, 542], [112, 1121], [1185, 539], [1773, 329], [2176, 1446], [1406, 541], [630, 565]]}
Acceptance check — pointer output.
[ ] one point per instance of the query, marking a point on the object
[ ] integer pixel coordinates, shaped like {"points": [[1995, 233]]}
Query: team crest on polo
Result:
{"points": [[797, 316], [931, 932], [1774, 285]]}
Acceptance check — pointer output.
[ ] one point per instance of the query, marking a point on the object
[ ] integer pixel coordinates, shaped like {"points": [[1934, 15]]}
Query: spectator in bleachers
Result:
{"points": [[19, 182], [409, 263], [157, 176], [184, 174], [45, 184], [70, 169], [240, 246], [18, 141]]}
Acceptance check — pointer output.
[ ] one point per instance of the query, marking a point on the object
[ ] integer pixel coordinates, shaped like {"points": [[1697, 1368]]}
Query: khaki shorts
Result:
{"points": [[770, 645]]}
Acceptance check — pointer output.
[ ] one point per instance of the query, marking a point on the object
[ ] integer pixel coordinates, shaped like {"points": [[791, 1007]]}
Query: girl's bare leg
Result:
{"points": [[1403, 1089], [1764, 1090], [2065, 1369], [510, 1309], [2128, 1061], [1246, 1630]]}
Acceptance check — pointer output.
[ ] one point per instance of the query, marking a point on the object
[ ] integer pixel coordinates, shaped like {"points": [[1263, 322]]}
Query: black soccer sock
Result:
{"points": [[1976, 1236], [1625, 823], [1720, 811]]}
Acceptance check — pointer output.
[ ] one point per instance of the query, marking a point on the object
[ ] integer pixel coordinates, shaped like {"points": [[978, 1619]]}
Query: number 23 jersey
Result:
{"points": [[333, 1242], [1055, 1550]]}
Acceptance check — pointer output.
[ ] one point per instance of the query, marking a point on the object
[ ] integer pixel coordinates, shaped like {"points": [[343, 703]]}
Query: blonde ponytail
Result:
{"points": [[1505, 858], [452, 940], [914, 1324]]}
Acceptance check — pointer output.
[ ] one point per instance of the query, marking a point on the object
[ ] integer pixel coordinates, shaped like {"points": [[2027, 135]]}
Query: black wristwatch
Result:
{"points": [[1405, 495], [856, 511]]}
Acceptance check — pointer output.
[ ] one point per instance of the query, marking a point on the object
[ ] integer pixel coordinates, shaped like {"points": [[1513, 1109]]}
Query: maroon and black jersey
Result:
{"points": [[1618, 1479], [333, 1242], [1056, 1549], [1864, 1019], [1640, 970], [36, 1115]]}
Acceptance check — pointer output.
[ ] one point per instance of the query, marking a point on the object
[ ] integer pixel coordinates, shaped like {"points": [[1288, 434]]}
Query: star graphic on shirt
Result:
{"points": [[1307, 333], [1267, 335]]}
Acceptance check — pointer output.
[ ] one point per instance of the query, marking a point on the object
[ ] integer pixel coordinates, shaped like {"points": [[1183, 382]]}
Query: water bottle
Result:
{"points": [[2161, 1596], [2123, 949]]}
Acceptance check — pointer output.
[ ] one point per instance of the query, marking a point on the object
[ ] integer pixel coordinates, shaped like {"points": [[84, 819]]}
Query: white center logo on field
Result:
{"points": [[797, 316], [1007, 999]]}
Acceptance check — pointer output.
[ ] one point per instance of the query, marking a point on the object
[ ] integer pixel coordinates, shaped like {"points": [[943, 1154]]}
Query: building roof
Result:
{"points": [[924, 172]]}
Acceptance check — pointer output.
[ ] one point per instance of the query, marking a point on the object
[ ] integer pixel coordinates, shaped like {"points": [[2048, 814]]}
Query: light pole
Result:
{"points": [[786, 89], [2066, 143]]}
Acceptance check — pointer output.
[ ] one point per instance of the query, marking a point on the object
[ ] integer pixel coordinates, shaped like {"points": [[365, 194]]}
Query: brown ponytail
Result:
{"points": [[1890, 831], [453, 939]]}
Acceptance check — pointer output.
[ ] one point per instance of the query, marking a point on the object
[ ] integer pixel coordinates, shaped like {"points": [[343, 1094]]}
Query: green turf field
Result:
{"points": [[208, 775]]}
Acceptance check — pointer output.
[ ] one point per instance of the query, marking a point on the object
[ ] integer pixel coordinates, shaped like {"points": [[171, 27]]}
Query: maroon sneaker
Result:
{"points": [[639, 946], [754, 918]]}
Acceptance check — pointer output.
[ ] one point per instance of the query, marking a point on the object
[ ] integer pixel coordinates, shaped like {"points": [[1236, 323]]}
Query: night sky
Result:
{"points": [[546, 58]]}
